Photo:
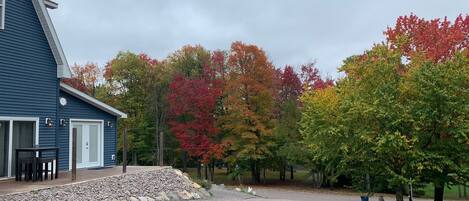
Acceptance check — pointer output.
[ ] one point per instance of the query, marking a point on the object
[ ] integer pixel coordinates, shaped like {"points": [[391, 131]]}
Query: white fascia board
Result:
{"points": [[63, 69], [93, 101], [51, 4], [2, 12]]}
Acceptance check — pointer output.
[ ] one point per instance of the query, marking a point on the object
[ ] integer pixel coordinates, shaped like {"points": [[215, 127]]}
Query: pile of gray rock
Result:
{"points": [[164, 184]]}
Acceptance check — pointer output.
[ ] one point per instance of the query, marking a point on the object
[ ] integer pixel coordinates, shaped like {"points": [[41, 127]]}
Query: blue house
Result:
{"points": [[36, 108]]}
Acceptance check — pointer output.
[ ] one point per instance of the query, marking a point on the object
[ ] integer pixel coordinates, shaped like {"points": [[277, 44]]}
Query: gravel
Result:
{"points": [[165, 184]]}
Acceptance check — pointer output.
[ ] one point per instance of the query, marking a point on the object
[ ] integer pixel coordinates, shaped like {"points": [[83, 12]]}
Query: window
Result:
{"points": [[2, 14]]}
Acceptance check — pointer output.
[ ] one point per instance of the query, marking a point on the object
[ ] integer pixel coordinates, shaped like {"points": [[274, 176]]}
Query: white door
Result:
{"points": [[88, 144]]}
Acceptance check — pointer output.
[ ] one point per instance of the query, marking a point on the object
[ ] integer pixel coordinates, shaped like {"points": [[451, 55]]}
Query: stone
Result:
{"points": [[162, 197], [163, 184], [185, 195], [196, 185], [196, 196], [204, 193], [178, 172], [173, 196]]}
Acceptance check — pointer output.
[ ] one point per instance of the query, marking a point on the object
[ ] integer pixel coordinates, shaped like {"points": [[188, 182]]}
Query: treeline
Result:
{"points": [[231, 106], [398, 116]]}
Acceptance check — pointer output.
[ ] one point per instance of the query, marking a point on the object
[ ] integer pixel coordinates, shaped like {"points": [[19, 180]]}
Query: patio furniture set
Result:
{"points": [[35, 166]]}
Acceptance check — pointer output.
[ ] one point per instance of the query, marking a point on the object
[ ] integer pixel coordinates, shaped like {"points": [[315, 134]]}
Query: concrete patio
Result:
{"points": [[11, 186]]}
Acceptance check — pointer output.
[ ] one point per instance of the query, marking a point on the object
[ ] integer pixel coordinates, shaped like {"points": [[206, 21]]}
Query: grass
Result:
{"points": [[450, 192], [300, 181], [272, 177]]}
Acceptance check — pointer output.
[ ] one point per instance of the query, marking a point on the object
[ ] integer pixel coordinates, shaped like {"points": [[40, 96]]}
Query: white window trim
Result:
{"points": [[10, 135], [101, 154], [2, 18]]}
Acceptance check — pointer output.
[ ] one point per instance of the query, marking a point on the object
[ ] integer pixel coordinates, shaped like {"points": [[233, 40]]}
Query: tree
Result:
{"points": [[193, 104], [357, 128], [189, 60], [85, 78], [311, 79], [438, 105], [249, 105], [435, 40], [324, 139], [286, 130], [429, 46], [127, 78]]}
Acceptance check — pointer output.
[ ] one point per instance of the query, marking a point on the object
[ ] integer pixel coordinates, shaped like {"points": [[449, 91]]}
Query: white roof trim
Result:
{"points": [[63, 69], [93, 101], [51, 4]]}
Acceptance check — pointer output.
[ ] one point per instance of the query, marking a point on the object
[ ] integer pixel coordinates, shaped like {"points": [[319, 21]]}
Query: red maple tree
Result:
{"points": [[312, 79], [436, 39], [192, 104]]}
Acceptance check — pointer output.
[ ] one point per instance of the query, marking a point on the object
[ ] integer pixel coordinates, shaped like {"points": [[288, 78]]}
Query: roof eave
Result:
{"points": [[93, 101], [63, 69], [51, 4]]}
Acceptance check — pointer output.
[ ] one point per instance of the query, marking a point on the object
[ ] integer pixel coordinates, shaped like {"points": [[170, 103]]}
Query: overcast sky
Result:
{"points": [[290, 31]]}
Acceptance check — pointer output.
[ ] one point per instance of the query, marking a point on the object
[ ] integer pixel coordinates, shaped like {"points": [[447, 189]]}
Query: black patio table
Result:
{"points": [[37, 152]]}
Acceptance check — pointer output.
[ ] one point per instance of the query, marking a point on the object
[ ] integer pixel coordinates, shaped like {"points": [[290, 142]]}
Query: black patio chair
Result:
{"points": [[43, 168]]}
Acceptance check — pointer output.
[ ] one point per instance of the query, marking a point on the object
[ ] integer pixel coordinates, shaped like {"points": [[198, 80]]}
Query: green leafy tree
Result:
{"points": [[438, 100]]}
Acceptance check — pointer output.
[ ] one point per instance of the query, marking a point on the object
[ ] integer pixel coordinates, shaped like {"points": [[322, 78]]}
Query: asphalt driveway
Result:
{"points": [[280, 194]]}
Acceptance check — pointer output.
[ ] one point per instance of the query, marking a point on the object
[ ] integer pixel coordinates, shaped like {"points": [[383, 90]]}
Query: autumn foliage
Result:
{"points": [[85, 77], [400, 108], [435, 40], [193, 103]]}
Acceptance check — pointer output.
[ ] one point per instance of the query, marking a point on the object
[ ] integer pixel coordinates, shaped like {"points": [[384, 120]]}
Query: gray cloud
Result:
{"points": [[291, 32]]}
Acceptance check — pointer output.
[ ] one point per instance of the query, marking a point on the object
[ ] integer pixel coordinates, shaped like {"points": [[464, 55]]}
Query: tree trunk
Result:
{"points": [[184, 161], [255, 172], [465, 190], [213, 171], [439, 191], [199, 171], [161, 152], [264, 179], [291, 172], [400, 193], [134, 158], [282, 172], [206, 171]]}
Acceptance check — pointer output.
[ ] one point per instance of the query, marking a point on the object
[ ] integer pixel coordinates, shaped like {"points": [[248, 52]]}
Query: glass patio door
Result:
{"points": [[88, 144], [14, 134], [4, 148]]}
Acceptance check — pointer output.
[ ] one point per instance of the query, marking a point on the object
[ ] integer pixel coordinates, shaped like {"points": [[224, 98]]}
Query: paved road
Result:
{"points": [[279, 194]]}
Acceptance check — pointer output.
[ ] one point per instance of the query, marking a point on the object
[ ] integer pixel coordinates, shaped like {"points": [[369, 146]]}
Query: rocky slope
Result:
{"points": [[165, 184]]}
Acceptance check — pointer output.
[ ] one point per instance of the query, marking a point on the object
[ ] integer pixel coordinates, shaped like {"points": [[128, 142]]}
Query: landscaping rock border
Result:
{"points": [[165, 184]]}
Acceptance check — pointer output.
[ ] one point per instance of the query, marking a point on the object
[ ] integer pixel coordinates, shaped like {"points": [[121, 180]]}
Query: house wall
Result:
{"points": [[28, 71], [78, 109]]}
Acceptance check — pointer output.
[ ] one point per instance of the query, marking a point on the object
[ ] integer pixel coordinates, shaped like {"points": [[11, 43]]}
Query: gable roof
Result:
{"points": [[93, 101], [63, 69]]}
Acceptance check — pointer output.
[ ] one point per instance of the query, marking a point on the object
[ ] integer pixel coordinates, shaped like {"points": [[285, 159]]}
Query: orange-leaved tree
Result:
{"points": [[248, 105]]}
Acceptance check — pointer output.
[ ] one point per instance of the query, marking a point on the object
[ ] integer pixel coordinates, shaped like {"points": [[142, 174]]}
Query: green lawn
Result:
{"points": [[272, 177], [300, 180], [450, 193]]}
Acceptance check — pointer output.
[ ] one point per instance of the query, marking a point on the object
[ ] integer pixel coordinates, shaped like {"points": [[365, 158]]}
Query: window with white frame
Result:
{"points": [[2, 14]]}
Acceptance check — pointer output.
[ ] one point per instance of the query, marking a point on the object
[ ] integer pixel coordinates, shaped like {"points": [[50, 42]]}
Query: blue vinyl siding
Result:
{"points": [[28, 72], [29, 86], [78, 109]]}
